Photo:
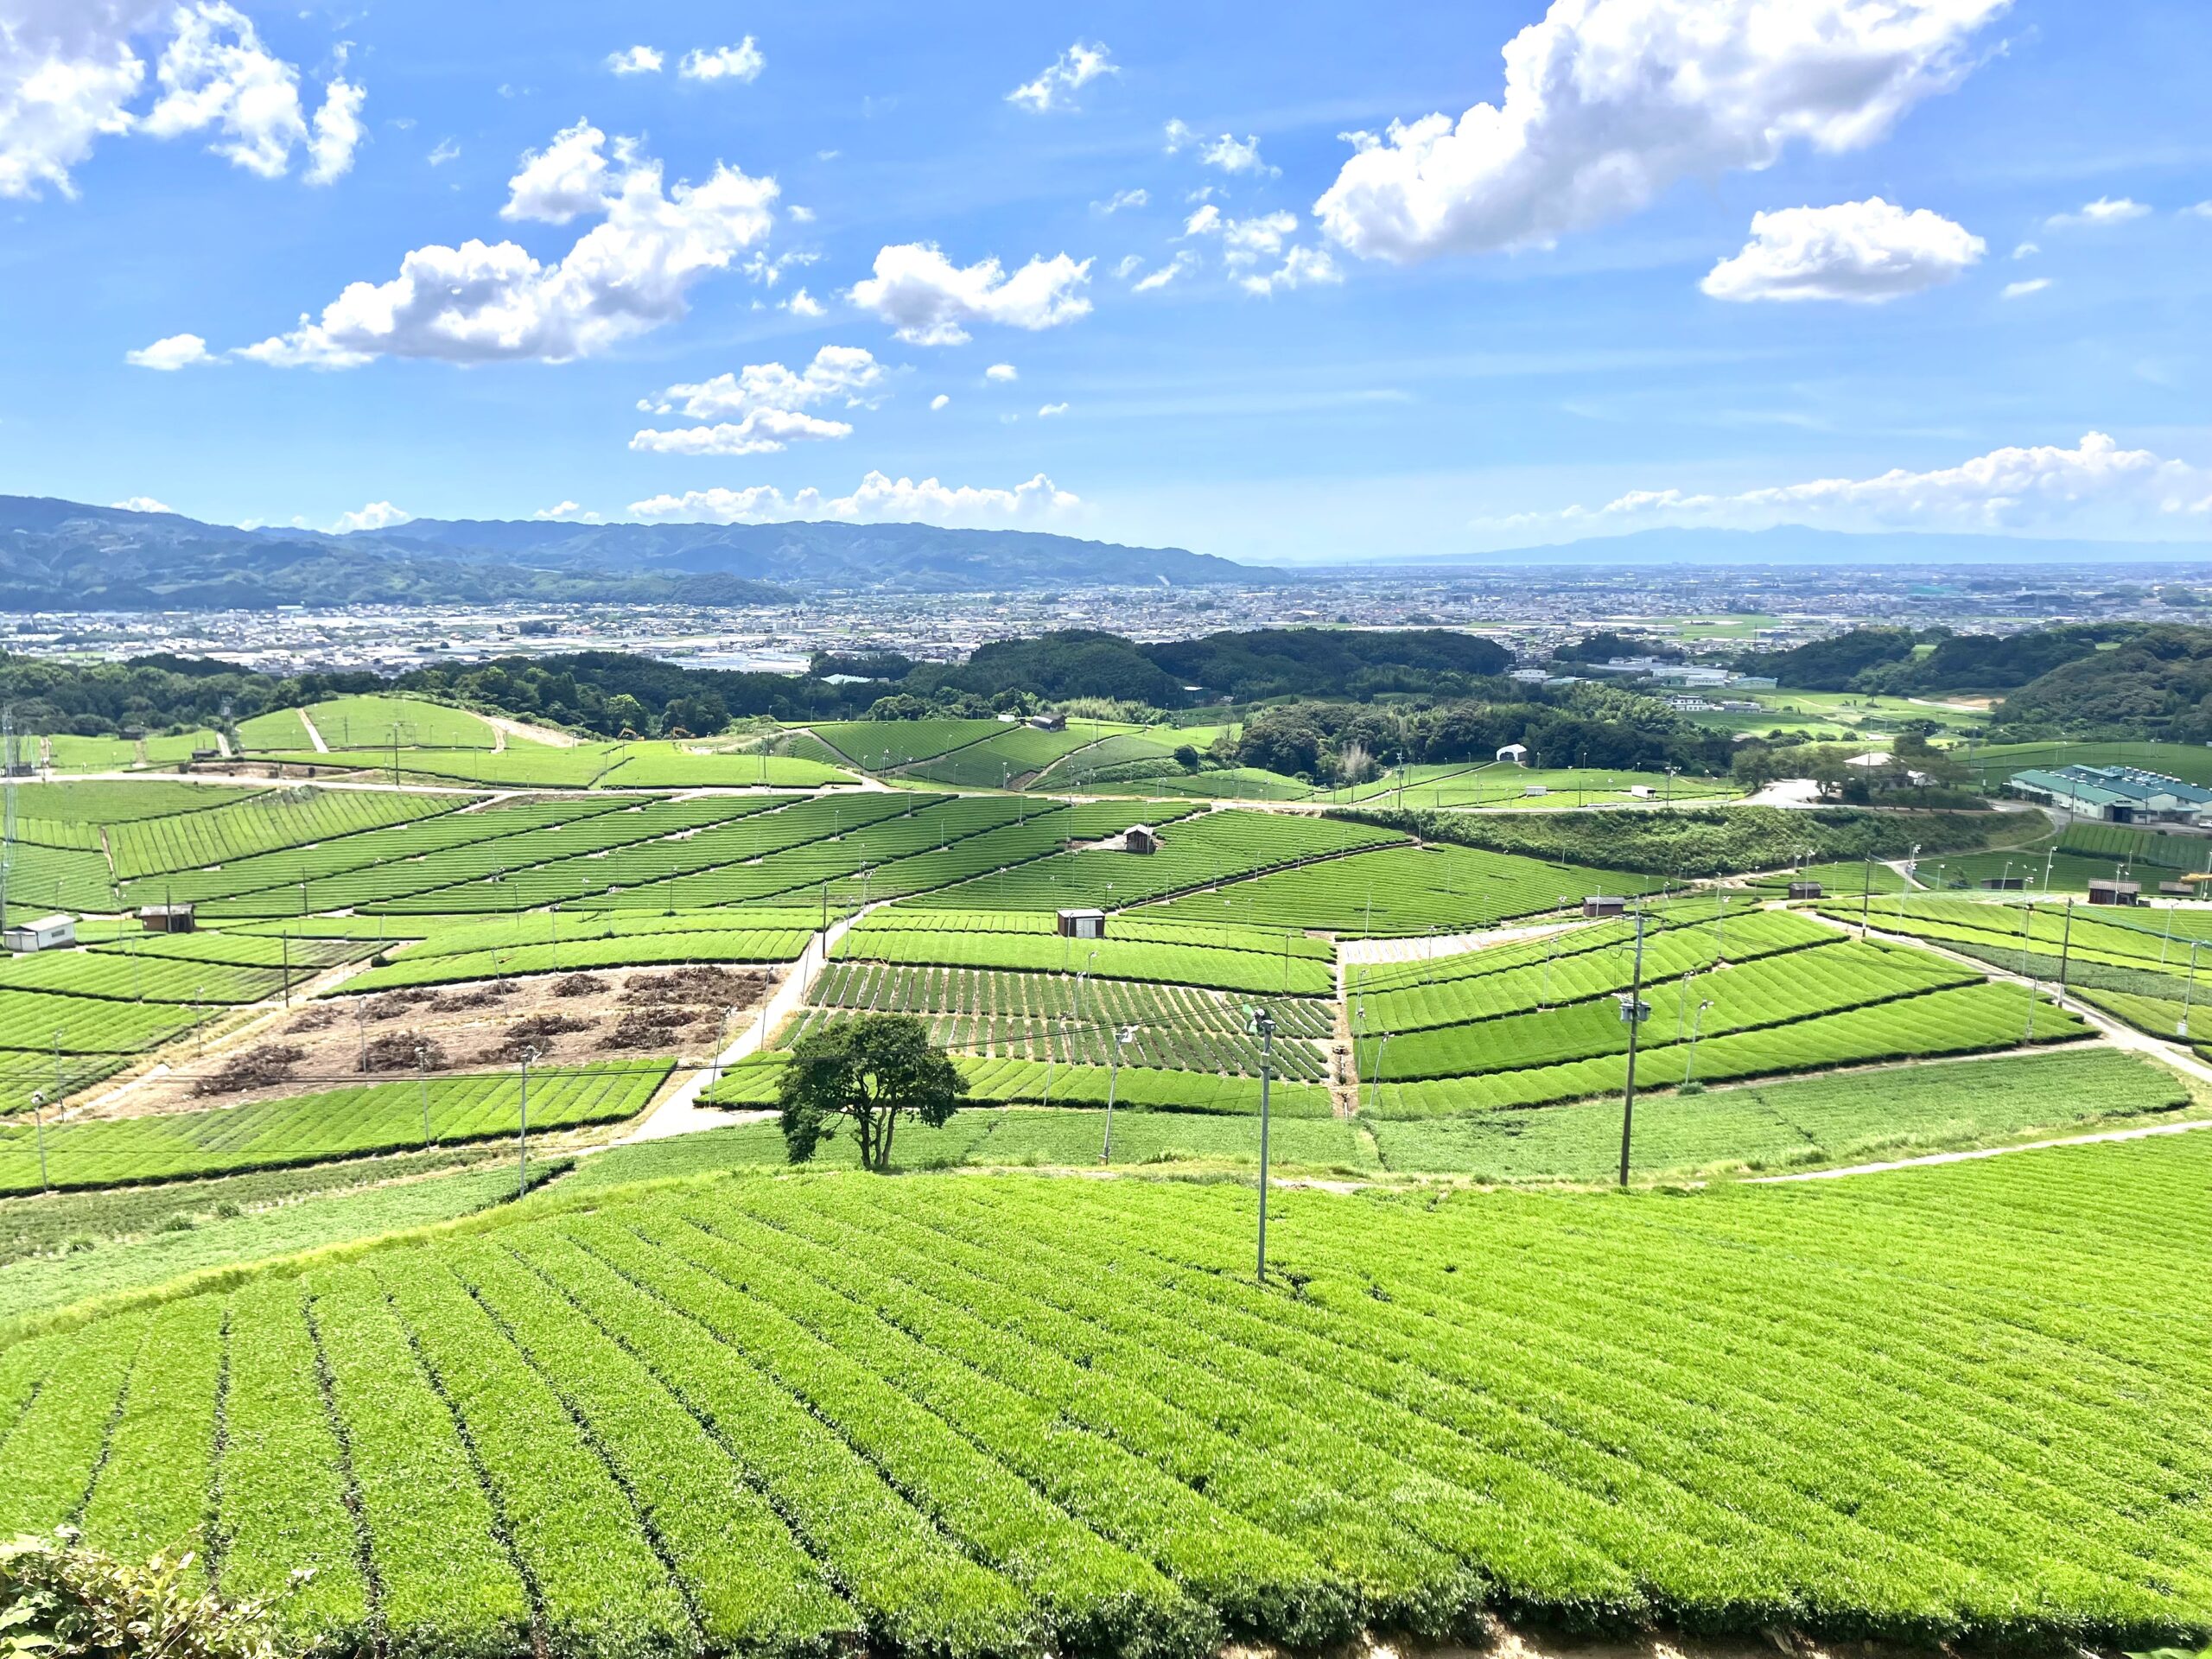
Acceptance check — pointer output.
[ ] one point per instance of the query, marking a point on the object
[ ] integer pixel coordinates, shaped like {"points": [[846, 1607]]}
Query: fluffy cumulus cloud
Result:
{"points": [[804, 304], [741, 62], [939, 402], [764, 406], [483, 301], [377, 515], [566, 513], [1001, 371], [69, 70], [1867, 251], [1047, 412], [880, 500], [1609, 102], [141, 504], [177, 352], [635, 60], [1121, 198], [2094, 487], [1063, 78], [930, 302], [2105, 210], [1248, 243], [214, 74]]}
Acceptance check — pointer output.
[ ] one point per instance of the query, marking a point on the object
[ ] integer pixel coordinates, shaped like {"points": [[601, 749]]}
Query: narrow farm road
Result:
{"points": [[315, 735], [2142, 1133], [680, 1113]]}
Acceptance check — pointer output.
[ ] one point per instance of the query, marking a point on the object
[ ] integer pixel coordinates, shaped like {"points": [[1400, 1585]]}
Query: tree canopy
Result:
{"points": [[866, 1073]]}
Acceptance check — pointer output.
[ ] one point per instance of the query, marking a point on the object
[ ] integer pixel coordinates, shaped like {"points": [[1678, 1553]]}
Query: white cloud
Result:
{"points": [[2026, 251], [879, 499], [1243, 241], [1050, 409], [1182, 264], [566, 513], [1056, 87], [1607, 102], [377, 515], [849, 372], [1121, 198], [768, 272], [761, 407], [141, 504], [763, 431], [2105, 210], [443, 151], [2095, 487], [800, 215], [2202, 210], [1001, 371], [743, 61], [804, 304], [1301, 267], [337, 133], [493, 302], [939, 402], [1224, 152], [2021, 290], [568, 177], [214, 74], [1128, 265], [177, 352], [66, 72], [635, 60], [929, 300], [1865, 251]]}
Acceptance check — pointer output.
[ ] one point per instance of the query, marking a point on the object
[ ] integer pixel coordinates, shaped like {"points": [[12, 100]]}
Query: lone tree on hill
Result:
{"points": [[869, 1070]]}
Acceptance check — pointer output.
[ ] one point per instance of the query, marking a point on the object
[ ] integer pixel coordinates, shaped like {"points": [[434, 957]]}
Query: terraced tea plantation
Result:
{"points": [[1007, 1417]]}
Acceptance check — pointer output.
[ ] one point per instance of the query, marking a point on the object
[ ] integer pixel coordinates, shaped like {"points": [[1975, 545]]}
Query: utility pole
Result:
{"points": [[522, 1158], [1634, 1012], [1113, 1072], [1697, 1025], [1261, 1024], [2027, 938], [1866, 898], [2065, 941], [2188, 988], [38, 1116], [422, 1074]]}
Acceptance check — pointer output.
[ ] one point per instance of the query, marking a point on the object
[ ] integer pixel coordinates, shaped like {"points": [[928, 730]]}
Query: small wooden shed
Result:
{"points": [[1599, 904], [1082, 924]]}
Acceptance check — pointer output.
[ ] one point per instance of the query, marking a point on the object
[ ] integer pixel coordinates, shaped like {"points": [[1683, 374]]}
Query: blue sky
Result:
{"points": [[1555, 320]]}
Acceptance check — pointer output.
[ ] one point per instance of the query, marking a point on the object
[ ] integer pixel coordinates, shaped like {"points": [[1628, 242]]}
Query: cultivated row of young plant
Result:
{"points": [[346, 1123], [1197, 852], [1970, 1019], [1398, 892], [1248, 971], [260, 823], [1899, 1113], [1773, 990], [978, 1418], [1572, 966]]}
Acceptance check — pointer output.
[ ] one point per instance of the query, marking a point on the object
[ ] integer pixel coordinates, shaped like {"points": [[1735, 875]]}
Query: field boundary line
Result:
{"points": [[2141, 1133]]}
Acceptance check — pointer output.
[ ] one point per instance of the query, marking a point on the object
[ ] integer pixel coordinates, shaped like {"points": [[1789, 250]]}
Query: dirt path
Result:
{"points": [[2143, 1133], [679, 1112], [543, 735], [314, 736], [1420, 946]]}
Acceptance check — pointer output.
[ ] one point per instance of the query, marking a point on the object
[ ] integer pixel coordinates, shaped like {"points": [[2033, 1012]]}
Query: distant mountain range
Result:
{"points": [[65, 556], [1801, 544]]}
